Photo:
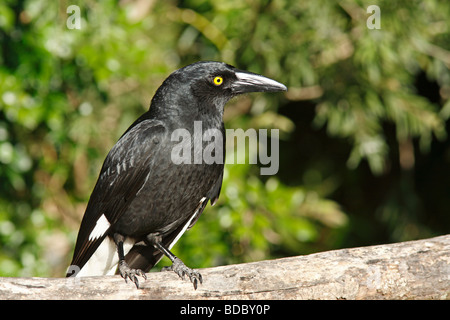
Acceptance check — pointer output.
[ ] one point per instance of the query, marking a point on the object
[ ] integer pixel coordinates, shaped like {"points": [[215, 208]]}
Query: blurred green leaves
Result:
{"points": [[67, 95]]}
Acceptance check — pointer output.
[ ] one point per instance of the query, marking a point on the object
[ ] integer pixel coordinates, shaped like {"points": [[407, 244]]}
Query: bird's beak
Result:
{"points": [[252, 82]]}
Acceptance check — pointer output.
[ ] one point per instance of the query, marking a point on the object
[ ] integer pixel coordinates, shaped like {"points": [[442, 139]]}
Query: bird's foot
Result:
{"points": [[181, 270], [126, 272]]}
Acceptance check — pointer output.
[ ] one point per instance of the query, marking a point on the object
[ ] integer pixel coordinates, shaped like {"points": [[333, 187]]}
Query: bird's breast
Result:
{"points": [[169, 196]]}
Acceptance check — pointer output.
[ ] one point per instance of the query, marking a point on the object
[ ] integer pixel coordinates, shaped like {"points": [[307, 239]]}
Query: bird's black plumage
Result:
{"points": [[143, 201]]}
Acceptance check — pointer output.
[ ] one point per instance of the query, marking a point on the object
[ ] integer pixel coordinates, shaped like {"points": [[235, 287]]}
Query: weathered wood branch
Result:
{"points": [[408, 270]]}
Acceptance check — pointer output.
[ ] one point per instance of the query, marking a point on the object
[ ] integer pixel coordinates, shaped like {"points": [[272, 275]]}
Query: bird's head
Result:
{"points": [[216, 82]]}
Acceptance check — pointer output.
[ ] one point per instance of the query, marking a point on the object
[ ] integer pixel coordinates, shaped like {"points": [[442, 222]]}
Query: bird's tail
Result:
{"points": [[142, 257]]}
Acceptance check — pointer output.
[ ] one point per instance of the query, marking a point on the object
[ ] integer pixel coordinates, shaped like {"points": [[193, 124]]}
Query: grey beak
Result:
{"points": [[252, 82]]}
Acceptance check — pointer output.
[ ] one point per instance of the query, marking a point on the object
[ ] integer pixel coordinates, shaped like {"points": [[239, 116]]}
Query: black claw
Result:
{"points": [[180, 268], [141, 273], [127, 273]]}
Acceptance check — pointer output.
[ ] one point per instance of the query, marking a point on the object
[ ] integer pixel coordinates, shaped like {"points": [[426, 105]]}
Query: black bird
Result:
{"points": [[143, 200]]}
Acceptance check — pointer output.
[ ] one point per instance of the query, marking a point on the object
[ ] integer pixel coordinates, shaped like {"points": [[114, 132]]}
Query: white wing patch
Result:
{"points": [[187, 224], [101, 226], [105, 258]]}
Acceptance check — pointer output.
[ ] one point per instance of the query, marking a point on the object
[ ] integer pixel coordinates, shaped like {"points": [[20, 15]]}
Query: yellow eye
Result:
{"points": [[218, 81]]}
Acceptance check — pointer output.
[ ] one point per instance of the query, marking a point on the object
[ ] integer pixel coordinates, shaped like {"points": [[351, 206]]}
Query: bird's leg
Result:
{"points": [[177, 265], [124, 270]]}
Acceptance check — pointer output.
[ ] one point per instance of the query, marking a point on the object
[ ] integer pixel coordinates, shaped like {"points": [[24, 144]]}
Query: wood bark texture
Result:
{"points": [[407, 270]]}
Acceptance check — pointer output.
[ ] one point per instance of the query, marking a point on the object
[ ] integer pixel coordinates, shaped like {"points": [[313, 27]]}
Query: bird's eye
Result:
{"points": [[218, 81]]}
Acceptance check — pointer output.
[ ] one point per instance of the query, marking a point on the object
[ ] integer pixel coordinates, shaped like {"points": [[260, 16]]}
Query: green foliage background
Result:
{"points": [[364, 151]]}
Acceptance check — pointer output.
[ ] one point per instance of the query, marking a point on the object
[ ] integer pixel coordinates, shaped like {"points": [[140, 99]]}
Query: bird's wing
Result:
{"points": [[123, 174], [215, 190]]}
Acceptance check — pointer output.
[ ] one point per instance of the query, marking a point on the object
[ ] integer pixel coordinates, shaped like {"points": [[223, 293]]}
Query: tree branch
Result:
{"points": [[407, 270]]}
